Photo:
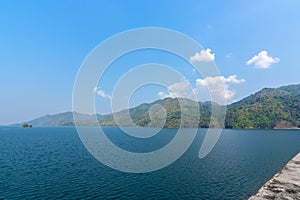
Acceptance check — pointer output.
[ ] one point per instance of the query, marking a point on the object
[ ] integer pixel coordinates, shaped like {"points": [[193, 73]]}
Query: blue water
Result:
{"points": [[52, 163]]}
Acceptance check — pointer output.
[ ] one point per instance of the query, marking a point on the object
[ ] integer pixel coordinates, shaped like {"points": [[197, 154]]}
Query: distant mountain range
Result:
{"points": [[269, 108]]}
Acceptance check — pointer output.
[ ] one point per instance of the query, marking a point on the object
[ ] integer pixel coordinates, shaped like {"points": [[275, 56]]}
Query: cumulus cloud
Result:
{"points": [[203, 56], [180, 89], [101, 93], [217, 86], [211, 80], [262, 60]]}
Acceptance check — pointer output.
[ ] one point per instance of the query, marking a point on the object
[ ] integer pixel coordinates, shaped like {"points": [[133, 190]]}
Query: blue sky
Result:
{"points": [[43, 43]]}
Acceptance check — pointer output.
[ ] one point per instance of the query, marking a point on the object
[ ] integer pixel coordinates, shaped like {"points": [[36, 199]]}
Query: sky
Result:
{"points": [[255, 44]]}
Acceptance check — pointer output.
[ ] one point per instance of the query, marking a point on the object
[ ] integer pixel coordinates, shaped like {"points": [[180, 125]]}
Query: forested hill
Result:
{"points": [[269, 108]]}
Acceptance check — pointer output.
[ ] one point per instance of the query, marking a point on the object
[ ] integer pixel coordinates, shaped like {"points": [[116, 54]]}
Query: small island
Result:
{"points": [[26, 126]]}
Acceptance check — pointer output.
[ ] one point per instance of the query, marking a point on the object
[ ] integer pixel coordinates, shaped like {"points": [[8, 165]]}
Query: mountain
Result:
{"points": [[62, 119], [160, 113], [268, 108]]}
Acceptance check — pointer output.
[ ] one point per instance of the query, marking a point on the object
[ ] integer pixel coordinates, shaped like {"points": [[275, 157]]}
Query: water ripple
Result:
{"points": [[51, 163]]}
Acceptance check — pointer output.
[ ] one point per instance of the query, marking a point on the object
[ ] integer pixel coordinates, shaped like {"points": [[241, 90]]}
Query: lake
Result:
{"points": [[52, 163]]}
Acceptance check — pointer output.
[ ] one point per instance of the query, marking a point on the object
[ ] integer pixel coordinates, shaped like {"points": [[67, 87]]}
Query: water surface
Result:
{"points": [[51, 163]]}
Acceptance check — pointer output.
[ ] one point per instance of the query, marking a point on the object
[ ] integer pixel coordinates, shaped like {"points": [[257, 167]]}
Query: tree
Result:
{"points": [[26, 126]]}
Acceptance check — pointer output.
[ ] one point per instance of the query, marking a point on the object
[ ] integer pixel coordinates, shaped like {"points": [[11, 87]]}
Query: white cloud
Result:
{"points": [[217, 87], [101, 93], [262, 60], [180, 89], [233, 79], [212, 86], [203, 56], [212, 80]]}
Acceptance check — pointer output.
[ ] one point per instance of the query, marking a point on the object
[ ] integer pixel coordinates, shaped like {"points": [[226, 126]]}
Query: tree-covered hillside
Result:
{"points": [[160, 113], [268, 108]]}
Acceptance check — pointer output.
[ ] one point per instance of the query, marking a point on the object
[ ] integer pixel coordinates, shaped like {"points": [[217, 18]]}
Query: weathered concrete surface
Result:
{"points": [[284, 185]]}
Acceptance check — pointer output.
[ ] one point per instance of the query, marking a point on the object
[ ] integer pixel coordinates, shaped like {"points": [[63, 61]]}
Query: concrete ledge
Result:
{"points": [[284, 185]]}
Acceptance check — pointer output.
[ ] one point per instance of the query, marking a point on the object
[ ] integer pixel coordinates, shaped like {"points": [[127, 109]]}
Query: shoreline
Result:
{"points": [[287, 128], [283, 185]]}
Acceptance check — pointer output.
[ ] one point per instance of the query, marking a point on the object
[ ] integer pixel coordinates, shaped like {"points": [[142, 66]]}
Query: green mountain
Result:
{"points": [[61, 119], [167, 109], [268, 108]]}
